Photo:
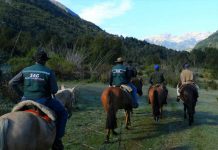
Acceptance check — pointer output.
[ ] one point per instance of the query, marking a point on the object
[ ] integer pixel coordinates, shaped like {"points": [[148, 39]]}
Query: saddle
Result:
{"points": [[126, 88], [193, 85], [157, 85], [35, 108]]}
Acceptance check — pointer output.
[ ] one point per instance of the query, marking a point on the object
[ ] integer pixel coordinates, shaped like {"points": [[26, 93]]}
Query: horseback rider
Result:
{"points": [[39, 84], [132, 73], [132, 70], [186, 77], [120, 75], [157, 78]]}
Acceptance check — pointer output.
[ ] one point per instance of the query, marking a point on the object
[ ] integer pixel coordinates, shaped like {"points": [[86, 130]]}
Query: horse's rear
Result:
{"points": [[157, 96], [114, 98], [23, 130], [189, 98]]}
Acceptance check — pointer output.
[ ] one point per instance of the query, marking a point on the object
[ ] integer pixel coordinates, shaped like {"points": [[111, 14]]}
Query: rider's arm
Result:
{"points": [[111, 79], [151, 79], [128, 74], [15, 82], [163, 79], [53, 83]]}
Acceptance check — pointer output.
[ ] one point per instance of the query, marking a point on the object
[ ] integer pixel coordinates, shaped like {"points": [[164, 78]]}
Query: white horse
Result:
{"points": [[67, 97], [20, 130]]}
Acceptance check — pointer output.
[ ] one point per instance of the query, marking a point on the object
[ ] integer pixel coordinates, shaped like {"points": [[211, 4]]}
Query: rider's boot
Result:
{"points": [[58, 145], [178, 98]]}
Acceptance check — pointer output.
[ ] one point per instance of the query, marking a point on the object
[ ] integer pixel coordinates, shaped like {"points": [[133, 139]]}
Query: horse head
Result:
{"points": [[67, 98], [138, 82]]}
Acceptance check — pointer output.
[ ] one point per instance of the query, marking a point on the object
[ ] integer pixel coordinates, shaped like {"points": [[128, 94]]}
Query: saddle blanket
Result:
{"points": [[41, 107]]}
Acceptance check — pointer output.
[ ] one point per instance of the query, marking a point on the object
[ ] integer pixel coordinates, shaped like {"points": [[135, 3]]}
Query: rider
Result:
{"points": [[132, 73], [120, 75], [132, 69], [39, 84], [186, 77], [157, 78]]}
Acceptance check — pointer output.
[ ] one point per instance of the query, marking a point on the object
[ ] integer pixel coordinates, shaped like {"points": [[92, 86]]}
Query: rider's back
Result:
{"points": [[186, 76], [36, 81]]}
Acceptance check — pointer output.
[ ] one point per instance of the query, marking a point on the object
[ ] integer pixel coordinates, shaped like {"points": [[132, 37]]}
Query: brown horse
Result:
{"points": [[157, 95], [22, 130], [114, 98], [189, 97]]}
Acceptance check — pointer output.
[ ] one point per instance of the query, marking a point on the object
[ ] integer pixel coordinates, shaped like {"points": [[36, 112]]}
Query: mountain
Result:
{"points": [[182, 42], [79, 48], [25, 24], [64, 8], [211, 41], [41, 16]]}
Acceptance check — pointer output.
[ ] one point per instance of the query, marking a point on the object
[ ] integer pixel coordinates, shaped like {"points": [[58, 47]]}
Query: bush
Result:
{"points": [[18, 63], [212, 84], [63, 68]]}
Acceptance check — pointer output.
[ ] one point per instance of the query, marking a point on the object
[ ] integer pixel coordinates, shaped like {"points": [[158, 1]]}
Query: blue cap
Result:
{"points": [[186, 65], [156, 67]]}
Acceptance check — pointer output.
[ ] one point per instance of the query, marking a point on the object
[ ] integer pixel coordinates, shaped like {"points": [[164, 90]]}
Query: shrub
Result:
{"points": [[18, 63], [63, 68], [212, 84]]}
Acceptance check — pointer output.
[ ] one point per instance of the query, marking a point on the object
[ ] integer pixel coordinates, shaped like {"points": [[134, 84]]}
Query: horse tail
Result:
{"points": [[3, 131], [156, 110], [111, 122]]}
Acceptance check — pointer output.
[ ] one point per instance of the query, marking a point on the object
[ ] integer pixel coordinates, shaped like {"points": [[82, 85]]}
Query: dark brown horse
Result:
{"points": [[114, 98], [157, 95], [189, 97]]}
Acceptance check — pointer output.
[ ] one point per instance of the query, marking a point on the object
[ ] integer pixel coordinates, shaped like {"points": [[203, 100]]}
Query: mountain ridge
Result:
{"points": [[211, 42], [180, 42]]}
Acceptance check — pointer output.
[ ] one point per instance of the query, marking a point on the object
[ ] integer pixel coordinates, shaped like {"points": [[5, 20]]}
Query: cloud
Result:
{"points": [[106, 10]]}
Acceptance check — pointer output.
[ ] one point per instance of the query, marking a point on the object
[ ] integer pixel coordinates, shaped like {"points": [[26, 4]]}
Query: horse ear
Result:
{"points": [[62, 87], [72, 89]]}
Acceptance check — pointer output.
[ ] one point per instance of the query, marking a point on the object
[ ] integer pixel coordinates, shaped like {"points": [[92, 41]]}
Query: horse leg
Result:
{"points": [[127, 114], [107, 136], [161, 112], [190, 119], [185, 109], [129, 121]]}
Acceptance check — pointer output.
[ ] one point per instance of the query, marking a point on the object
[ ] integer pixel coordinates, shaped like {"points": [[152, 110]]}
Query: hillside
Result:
{"points": [[211, 41], [82, 49], [41, 21]]}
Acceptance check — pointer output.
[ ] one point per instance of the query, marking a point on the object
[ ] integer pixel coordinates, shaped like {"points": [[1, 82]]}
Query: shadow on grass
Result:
{"points": [[173, 122], [180, 148], [144, 126]]}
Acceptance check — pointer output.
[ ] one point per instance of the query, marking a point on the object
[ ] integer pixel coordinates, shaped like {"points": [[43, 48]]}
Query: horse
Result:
{"points": [[189, 97], [67, 97], [114, 98], [25, 130], [157, 95]]}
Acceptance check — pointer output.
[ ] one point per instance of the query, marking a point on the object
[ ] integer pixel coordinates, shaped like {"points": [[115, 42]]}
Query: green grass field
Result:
{"points": [[85, 130]]}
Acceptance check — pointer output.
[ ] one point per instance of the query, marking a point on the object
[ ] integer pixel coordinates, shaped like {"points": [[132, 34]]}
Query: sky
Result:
{"points": [[144, 18]]}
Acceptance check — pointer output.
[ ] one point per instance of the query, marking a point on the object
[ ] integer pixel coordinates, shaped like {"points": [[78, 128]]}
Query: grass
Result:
{"points": [[85, 130]]}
